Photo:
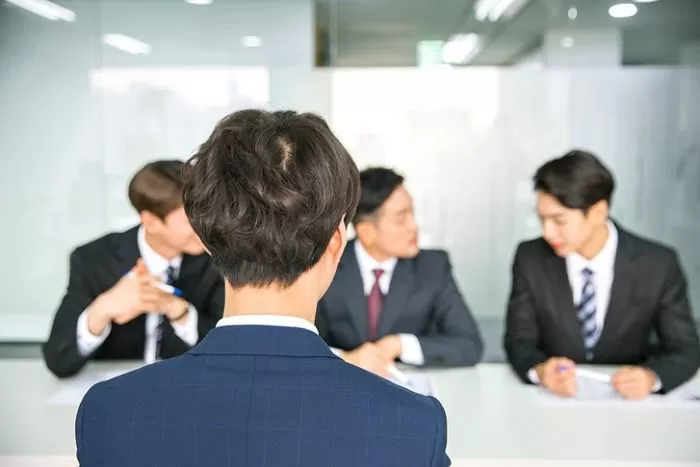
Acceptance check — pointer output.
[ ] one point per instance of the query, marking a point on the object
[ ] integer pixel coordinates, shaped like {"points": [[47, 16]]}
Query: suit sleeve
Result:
{"points": [[207, 317], [679, 358], [457, 341], [440, 457], [522, 332], [61, 349]]}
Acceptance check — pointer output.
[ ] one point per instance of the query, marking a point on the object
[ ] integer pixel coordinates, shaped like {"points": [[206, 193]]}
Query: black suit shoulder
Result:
{"points": [[432, 260], [103, 244]]}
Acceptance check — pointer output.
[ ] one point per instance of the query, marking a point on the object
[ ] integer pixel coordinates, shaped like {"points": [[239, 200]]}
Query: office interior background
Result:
{"points": [[464, 97]]}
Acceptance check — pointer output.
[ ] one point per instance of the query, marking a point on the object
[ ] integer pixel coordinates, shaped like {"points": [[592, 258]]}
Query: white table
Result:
{"points": [[492, 420]]}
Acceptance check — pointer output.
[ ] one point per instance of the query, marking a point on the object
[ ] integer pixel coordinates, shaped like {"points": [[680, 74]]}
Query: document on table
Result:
{"points": [[73, 391], [417, 382], [593, 389]]}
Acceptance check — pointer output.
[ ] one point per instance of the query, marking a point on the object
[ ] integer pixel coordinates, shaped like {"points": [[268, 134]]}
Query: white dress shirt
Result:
{"points": [[411, 351], [267, 320], [157, 266]]}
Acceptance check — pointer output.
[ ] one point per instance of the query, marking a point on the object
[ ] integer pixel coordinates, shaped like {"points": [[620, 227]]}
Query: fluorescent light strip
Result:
{"points": [[460, 48], [623, 10], [497, 9], [46, 9], [126, 44]]}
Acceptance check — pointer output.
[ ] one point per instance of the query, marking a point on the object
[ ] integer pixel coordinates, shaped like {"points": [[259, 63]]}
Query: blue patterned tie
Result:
{"points": [[586, 314], [170, 274]]}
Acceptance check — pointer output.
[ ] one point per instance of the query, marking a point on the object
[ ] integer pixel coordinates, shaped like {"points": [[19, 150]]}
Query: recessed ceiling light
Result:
{"points": [[251, 41], [645, 1], [126, 44], [567, 42], [199, 2], [622, 10], [45, 8], [572, 13]]}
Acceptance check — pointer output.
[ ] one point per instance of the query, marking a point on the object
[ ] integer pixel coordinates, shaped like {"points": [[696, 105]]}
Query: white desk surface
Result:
{"points": [[493, 420]]}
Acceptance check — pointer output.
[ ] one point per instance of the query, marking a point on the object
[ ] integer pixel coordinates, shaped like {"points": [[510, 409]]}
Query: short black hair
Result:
{"points": [[578, 180], [377, 184], [157, 187], [265, 193]]}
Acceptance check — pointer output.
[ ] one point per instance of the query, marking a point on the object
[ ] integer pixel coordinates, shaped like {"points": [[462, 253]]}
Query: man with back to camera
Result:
{"points": [[391, 300], [590, 292], [269, 195], [148, 293]]}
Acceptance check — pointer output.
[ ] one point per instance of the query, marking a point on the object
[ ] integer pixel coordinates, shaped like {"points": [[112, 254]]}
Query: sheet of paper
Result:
{"points": [[595, 393], [73, 390], [418, 382]]}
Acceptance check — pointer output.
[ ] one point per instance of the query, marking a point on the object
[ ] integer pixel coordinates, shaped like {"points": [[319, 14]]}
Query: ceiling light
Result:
{"points": [[126, 44], [199, 2], [567, 42], [251, 41], [622, 10], [497, 9], [645, 1], [46, 9], [460, 48], [572, 13]]}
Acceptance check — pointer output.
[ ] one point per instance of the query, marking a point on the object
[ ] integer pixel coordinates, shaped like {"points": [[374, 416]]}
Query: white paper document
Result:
{"points": [[593, 389], [75, 389]]}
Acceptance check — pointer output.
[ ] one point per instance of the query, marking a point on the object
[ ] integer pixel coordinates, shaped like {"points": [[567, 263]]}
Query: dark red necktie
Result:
{"points": [[374, 305]]}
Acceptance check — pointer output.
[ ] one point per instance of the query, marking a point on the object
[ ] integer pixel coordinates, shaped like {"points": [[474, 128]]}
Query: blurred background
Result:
{"points": [[464, 97]]}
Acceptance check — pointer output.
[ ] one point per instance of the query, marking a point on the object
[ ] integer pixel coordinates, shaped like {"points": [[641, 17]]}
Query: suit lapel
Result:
{"points": [[127, 252], [563, 299], [191, 272], [401, 288], [353, 291], [623, 281]]}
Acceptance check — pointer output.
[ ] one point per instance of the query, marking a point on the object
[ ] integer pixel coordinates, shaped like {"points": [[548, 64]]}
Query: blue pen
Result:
{"points": [[165, 288]]}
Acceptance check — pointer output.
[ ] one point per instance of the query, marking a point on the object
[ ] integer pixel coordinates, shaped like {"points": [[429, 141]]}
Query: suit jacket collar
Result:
{"points": [[262, 340], [562, 295], [401, 288]]}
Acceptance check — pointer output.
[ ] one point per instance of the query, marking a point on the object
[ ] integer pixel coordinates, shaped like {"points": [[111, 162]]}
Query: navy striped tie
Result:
{"points": [[170, 274], [586, 314]]}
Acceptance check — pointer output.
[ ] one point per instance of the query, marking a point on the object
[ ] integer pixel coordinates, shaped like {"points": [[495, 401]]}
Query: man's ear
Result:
{"points": [[339, 241], [150, 221]]}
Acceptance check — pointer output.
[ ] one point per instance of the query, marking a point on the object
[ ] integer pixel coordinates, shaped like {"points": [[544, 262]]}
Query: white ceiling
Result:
{"points": [[385, 32]]}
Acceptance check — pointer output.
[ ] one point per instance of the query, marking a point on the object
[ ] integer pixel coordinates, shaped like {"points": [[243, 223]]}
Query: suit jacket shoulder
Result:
{"points": [[106, 243], [432, 260]]}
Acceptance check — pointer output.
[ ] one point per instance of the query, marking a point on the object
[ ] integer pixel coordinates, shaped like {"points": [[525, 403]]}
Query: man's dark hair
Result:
{"points": [[157, 187], [578, 180], [266, 192], [377, 184]]}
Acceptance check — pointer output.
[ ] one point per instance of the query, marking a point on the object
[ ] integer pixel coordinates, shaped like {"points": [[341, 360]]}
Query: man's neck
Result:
{"points": [[374, 253], [596, 244], [160, 247], [272, 300]]}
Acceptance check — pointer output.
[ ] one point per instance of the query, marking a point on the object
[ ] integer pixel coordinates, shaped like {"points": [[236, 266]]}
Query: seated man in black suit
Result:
{"points": [[588, 291], [391, 300], [147, 293]]}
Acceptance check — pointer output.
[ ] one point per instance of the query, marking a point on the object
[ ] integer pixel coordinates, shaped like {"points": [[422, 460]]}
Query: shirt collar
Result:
{"points": [[267, 320], [155, 263], [604, 260], [368, 264]]}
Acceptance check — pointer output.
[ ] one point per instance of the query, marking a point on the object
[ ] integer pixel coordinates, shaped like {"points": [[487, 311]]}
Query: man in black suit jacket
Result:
{"points": [[590, 292], [148, 293], [391, 300]]}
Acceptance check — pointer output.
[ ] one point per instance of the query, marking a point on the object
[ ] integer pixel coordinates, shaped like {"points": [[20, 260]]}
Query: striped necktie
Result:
{"points": [[586, 311]]}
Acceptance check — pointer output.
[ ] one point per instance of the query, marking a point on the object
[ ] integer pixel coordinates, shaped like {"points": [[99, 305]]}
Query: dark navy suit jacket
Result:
{"points": [[423, 300], [258, 396]]}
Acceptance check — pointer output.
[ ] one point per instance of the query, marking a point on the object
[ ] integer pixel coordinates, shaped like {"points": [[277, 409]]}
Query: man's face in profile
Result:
{"points": [[393, 229], [566, 230], [178, 233]]}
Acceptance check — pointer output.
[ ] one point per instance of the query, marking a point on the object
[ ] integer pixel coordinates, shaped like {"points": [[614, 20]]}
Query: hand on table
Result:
{"points": [[558, 374], [370, 357], [634, 382]]}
